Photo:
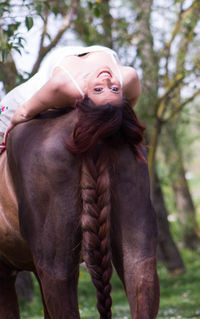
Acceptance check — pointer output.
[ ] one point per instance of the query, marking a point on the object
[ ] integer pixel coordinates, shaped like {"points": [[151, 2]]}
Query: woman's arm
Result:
{"points": [[55, 92]]}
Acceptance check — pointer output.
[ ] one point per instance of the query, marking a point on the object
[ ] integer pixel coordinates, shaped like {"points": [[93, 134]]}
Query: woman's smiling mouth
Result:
{"points": [[104, 73]]}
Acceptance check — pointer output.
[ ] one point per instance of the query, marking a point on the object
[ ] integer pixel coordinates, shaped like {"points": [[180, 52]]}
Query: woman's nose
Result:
{"points": [[108, 80]]}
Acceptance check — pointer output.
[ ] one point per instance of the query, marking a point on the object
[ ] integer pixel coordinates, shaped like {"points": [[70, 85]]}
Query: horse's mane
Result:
{"points": [[98, 133]]}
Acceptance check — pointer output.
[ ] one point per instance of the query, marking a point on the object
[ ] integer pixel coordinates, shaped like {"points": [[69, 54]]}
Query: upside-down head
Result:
{"points": [[113, 124]]}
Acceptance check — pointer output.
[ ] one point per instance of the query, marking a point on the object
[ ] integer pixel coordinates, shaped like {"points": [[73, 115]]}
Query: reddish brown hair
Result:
{"points": [[99, 132], [105, 123]]}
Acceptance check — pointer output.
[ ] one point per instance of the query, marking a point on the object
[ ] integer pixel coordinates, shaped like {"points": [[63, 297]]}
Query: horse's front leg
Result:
{"points": [[134, 237], [9, 308]]}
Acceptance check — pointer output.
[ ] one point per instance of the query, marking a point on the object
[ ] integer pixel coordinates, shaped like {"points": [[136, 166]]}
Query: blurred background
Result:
{"points": [[161, 40]]}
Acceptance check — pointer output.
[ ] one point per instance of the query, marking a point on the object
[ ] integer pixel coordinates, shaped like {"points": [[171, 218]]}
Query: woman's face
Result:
{"points": [[103, 86]]}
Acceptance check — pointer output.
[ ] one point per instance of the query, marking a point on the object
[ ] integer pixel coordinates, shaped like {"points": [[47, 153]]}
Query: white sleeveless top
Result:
{"points": [[25, 91]]}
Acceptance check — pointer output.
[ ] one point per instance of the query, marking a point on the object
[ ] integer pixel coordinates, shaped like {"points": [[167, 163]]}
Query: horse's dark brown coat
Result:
{"points": [[47, 182]]}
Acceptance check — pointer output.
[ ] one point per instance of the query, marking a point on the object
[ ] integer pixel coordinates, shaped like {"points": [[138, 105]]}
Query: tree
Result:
{"points": [[178, 141], [170, 116], [11, 38], [164, 111], [150, 80]]}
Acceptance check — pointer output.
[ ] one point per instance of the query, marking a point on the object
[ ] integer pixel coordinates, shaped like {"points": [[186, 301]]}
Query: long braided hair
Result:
{"points": [[99, 132]]}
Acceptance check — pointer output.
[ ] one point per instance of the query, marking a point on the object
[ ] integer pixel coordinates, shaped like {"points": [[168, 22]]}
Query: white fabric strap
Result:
{"points": [[72, 78], [119, 72]]}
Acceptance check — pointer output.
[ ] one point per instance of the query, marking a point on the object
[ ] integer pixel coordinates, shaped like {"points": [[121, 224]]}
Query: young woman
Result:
{"points": [[68, 74]]}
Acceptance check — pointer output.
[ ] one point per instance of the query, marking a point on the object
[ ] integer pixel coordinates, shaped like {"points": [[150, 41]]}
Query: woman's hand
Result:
{"points": [[10, 127], [18, 117]]}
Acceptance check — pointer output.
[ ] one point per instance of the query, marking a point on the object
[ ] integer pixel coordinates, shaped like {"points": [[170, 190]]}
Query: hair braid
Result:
{"points": [[95, 186], [99, 131]]}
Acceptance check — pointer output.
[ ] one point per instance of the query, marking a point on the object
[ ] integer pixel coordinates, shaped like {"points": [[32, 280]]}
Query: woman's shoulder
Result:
{"points": [[130, 75], [132, 88]]}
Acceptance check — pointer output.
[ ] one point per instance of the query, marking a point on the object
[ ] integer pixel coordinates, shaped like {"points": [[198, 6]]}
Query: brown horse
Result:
{"points": [[65, 197]]}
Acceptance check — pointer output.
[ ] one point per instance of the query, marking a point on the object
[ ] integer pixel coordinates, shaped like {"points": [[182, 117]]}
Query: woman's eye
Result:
{"points": [[98, 89], [115, 89]]}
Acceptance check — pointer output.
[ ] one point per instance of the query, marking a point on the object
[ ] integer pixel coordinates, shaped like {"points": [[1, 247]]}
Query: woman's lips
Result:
{"points": [[104, 73]]}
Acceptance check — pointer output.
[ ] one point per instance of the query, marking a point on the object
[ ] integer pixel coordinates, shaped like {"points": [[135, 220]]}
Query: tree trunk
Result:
{"points": [[172, 146], [8, 73], [167, 250], [107, 23], [186, 210]]}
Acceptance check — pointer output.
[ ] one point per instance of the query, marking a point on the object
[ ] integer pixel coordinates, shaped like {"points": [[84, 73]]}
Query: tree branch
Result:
{"points": [[66, 23], [179, 77], [44, 50], [181, 106], [8, 73], [183, 14], [192, 13]]}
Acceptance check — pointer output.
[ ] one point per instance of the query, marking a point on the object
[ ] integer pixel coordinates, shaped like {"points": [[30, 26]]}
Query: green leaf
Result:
{"points": [[48, 36], [97, 12], [29, 22], [55, 10], [4, 54], [17, 49], [90, 5]]}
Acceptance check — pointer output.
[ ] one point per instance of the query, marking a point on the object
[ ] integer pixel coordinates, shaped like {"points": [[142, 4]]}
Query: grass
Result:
{"points": [[179, 295]]}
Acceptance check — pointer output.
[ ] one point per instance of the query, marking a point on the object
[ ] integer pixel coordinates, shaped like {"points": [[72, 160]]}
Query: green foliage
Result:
{"points": [[96, 8], [10, 37], [12, 17], [29, 22]]}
